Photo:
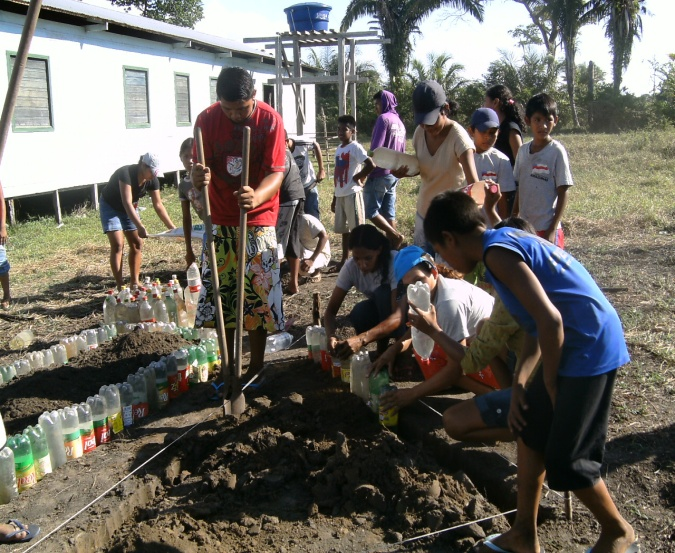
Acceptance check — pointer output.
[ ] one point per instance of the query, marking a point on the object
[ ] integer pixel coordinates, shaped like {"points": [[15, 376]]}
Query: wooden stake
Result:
{"points": [[316, 309]]}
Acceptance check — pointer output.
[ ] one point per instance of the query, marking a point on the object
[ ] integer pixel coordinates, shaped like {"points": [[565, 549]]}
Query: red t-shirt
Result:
{"points": [[223, 142]]}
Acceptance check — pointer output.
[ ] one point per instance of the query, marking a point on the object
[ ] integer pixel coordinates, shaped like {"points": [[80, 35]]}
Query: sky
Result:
{"points": [[470, 43]]}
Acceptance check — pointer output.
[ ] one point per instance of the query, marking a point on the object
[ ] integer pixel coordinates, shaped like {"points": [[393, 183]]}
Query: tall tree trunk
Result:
{"points": [[569, 76]]}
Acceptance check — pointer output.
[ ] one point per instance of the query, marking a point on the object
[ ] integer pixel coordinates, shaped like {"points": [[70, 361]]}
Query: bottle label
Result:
{"points": [[337, 369], [43, 466], [195, 289], [183, 384], [128, 415], [163, 394], [174, 391], [25, 477], [310, 355], [101, 431], [389, 418], [204, 372], [88, 437], [153, 320], [116, 422], [326, 361], [73, 444], [140, 410], [346, 374]]}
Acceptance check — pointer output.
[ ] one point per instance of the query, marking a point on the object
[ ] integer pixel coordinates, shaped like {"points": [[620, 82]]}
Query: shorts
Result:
{"points": [[312, 201], [379, 196], [113, 220], [4, 267], [262, 281], [572, 436], [494, 408], [287, 228], [559, 237], [349, 212]]}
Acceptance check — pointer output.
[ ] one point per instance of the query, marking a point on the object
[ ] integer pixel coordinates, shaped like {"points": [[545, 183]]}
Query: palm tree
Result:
{"points": [[399, 20], [542, 28], [623, 24], [437, 69]]}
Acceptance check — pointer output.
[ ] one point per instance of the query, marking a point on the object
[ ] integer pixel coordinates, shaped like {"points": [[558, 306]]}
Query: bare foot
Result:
{"points": [[6, 302], [509, 541], [616, 542]]}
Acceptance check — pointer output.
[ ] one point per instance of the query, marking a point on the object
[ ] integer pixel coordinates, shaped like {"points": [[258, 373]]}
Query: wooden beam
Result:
{"points": [[331, 35], [96, 27], [11, 212], [57, 207], [319, 79], [183, 44], [94, 196]]}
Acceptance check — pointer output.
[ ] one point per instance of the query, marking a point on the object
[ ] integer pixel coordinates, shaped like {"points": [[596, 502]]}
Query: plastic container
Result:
{"points": [[202, 364], [101, 336], [389, 417], [70, 426], [92, 338], [86, 421], [309, 16], [109, 304], [375, 385], [8, 487], [309, 338], [23, 462], [418, 294], [22, 340], [51, 424], [160, 311], [278, 342], [127, 401], [48, 357], [22, 367], [392, 160], [172, 377], [139, 396], [162, 384], [150, 387], [99, 413], [336, 368], [358, 383], [114, 408], [191, 293], [323, 350], [181, 357], [346, 370], [40, 448]]}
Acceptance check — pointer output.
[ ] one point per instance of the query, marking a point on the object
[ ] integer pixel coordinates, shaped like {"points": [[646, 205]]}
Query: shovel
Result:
{"points": [[237, 398], [215, 280]]}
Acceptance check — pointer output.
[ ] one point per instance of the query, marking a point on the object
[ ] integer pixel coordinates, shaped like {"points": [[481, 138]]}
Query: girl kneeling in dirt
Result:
{"points": [[119, 215], [370, 270]]}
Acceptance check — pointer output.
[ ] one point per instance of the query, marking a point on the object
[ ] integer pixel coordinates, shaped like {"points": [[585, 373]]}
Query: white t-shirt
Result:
{"points": [[494, 165], [538, 177], [348, 160], [366, 283], [309, 228], [441, 171], [302, 160], [460, 306]]}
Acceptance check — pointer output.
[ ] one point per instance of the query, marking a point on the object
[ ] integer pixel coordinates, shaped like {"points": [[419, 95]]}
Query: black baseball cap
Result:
{"points": [[428, 99]]}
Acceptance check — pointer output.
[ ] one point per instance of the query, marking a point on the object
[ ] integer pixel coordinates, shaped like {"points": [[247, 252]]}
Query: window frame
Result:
{"points": [[179, 123], [23, 128], [128, 125], [213, 81]]}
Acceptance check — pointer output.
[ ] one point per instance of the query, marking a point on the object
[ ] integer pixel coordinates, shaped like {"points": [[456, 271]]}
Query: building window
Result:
{"points": [[182, 86], [214, 95], [268, 94], [33, 109], [136, 99]]}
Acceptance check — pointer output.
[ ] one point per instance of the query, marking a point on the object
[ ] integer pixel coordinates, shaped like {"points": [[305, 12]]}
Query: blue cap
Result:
{"points": [[484, 119], [408, 258]]}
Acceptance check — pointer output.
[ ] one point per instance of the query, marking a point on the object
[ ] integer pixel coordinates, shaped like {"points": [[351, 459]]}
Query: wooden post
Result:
{"points": [[57, 208], [342, 79], [177, 178], [352, 72], [94, 196], [316, 309], [10, 212]]}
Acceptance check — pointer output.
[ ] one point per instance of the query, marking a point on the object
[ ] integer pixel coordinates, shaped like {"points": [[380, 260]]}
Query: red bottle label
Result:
{"points": [[88, 440], [173, 386], [183, 382], [102, 431], [140, 410], [326, 361]]}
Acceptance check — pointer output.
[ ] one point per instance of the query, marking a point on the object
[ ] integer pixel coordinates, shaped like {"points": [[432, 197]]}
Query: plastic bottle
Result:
{"points": [[109, 304], [172, 377], [345, 372], [146, 312], [70, 426], [193, 366], [171, 309], [86, 422], [326, 361], [309, 338], [92, 338], [202, 364], [181, 356], [139, 396], [22, 340], [124, 294], [36, 360], [71, 347], [358, 383], [391, 159], [51, 424], [114, 408], [127, 400], [418, 294], [8, 487], [160, 311], [376, 383], [40, 449], [194, 286], [23, 462], [150, 387], [278, 342], [82, 343], [336, 368], [99, 412], [162, 384], [177, 288], [316, 344], [22, 367], [120, 311], [101, 335], [389, 418], [48, 356], [211, 353], [181, 311]]}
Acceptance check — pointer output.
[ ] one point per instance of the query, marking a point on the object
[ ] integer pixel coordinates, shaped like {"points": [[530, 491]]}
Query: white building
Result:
{"points": [[101, 87]]}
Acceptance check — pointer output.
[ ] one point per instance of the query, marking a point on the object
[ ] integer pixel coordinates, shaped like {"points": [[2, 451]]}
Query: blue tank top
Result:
{"points": [[594, 343]]}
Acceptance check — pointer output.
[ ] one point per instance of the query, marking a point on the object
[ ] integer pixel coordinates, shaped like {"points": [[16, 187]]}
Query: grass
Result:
{"points": [[620, 222]]}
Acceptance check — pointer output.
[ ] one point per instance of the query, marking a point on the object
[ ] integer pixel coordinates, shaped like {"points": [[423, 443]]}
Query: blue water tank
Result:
{"points": [[309, 16]]}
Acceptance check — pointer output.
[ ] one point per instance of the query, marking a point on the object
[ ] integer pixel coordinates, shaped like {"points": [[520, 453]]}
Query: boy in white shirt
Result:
{"points": [[352, 166], [491, 164]]}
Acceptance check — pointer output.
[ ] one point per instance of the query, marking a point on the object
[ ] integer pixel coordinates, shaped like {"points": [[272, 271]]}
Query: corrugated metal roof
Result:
{"points": [[96, 14]]}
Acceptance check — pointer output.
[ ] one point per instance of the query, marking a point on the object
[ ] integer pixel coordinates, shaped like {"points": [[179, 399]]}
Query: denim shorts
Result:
{"points": [[379, 196], [113, 220], [4, 268], [494, 408]]}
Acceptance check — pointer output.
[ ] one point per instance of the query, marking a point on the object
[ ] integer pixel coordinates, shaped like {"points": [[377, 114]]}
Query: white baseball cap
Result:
{"points": [[151, 161]]}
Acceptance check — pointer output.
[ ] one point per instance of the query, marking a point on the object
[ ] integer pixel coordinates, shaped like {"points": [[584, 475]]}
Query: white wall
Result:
{"points": [[90, 139]]}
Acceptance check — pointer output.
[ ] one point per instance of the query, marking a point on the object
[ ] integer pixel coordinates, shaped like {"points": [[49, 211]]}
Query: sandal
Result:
{"points": [[313, 278], [31, 531], [218, 395]]}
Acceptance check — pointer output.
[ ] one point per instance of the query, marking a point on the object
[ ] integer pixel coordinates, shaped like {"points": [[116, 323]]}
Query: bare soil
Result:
{"points": [[308, 467]]}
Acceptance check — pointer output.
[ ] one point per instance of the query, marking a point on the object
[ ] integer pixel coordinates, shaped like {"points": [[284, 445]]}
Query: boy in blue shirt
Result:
{"points": [[561, 418], [542, 172]]}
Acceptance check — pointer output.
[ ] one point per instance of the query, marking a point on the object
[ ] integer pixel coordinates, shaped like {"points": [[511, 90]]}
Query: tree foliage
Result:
{"points": [[184, 13]]}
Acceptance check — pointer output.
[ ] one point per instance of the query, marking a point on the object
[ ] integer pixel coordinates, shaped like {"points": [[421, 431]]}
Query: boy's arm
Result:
{"points": [[309, 263], [527, 362], [559, 209], [511, 270], [368, 167], [319, 160], [466, 160], [187, 231]]}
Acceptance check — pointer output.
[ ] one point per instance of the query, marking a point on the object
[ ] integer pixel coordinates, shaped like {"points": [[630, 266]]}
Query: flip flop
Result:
{"points": [[31, 530], [217, 395], [632, 548], [487, 542]]}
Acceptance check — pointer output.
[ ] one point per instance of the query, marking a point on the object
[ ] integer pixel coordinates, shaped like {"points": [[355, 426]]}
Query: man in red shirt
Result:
{"points": [[222, 126]]}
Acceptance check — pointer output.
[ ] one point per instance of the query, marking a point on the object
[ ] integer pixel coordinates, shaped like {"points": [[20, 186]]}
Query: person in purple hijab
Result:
{"points": [[379, 192]]}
